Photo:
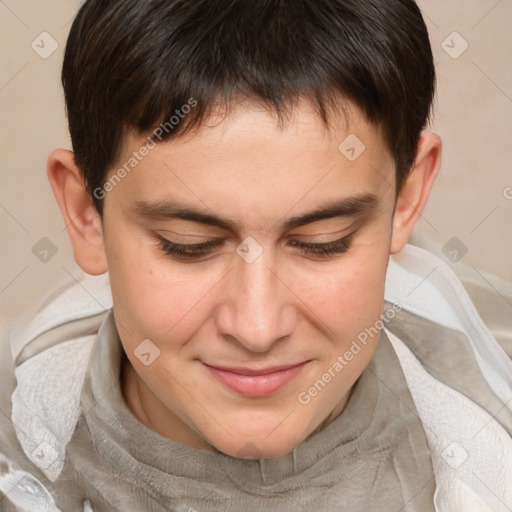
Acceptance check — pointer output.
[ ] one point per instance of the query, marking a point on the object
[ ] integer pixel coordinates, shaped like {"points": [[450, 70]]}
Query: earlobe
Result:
{"points": [[416, 189], [80, 216]]}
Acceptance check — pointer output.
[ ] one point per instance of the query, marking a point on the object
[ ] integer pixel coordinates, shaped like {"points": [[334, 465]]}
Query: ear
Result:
{"points": [[416, 189], [81, 217]]}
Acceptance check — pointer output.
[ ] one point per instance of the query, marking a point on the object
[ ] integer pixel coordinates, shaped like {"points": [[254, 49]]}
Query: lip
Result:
{"points": [[252, 382]]}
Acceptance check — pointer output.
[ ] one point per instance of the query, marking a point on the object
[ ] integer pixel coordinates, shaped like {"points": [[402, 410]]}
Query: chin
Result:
{"points": [[264, 447]]}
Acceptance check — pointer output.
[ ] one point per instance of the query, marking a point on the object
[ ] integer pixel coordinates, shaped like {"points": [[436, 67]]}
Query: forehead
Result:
{"points": [[301, 124], [244, 162]]}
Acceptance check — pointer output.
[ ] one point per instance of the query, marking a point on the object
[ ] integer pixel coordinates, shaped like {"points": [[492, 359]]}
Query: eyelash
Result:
{"points": [[196, 251]]}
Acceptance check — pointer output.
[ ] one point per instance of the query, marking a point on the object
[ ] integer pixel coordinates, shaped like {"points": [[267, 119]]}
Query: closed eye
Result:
{"points": [[190, 252], [333, 248]]}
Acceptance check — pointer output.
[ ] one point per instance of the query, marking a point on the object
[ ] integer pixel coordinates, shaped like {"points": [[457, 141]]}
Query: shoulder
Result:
{"points": [[437, 319], [41, 379], [460, 379]]}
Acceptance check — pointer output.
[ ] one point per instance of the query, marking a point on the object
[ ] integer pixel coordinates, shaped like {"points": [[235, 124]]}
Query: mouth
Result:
{"points": [[256, 382]]}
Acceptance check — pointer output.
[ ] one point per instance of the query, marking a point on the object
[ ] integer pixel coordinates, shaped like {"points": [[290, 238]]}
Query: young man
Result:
{"points": [[243, 171]]}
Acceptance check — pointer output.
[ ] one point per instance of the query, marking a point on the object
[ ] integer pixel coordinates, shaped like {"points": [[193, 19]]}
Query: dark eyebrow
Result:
{"points": [[345, 207]]}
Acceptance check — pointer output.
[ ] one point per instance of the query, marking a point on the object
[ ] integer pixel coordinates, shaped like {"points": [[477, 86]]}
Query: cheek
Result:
{"points": [[349, 296], [156, 298], [144, 293]]}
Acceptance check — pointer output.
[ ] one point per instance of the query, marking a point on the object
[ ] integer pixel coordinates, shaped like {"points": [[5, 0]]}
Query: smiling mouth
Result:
{"points": [[252, 382]]}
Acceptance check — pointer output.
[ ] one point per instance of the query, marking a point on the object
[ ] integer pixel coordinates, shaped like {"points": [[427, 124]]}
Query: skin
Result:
{"points": [[283, 308]]}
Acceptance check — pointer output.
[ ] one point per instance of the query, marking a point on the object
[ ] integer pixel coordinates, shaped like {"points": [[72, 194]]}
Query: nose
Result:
{"points": [[257, 308]]}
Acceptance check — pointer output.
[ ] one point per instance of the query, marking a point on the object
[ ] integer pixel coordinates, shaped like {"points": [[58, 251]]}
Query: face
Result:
{"points": [[244, 261]]}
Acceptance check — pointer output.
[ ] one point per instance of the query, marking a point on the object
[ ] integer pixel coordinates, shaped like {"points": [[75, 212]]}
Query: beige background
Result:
{"points": [[472, 199]]}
